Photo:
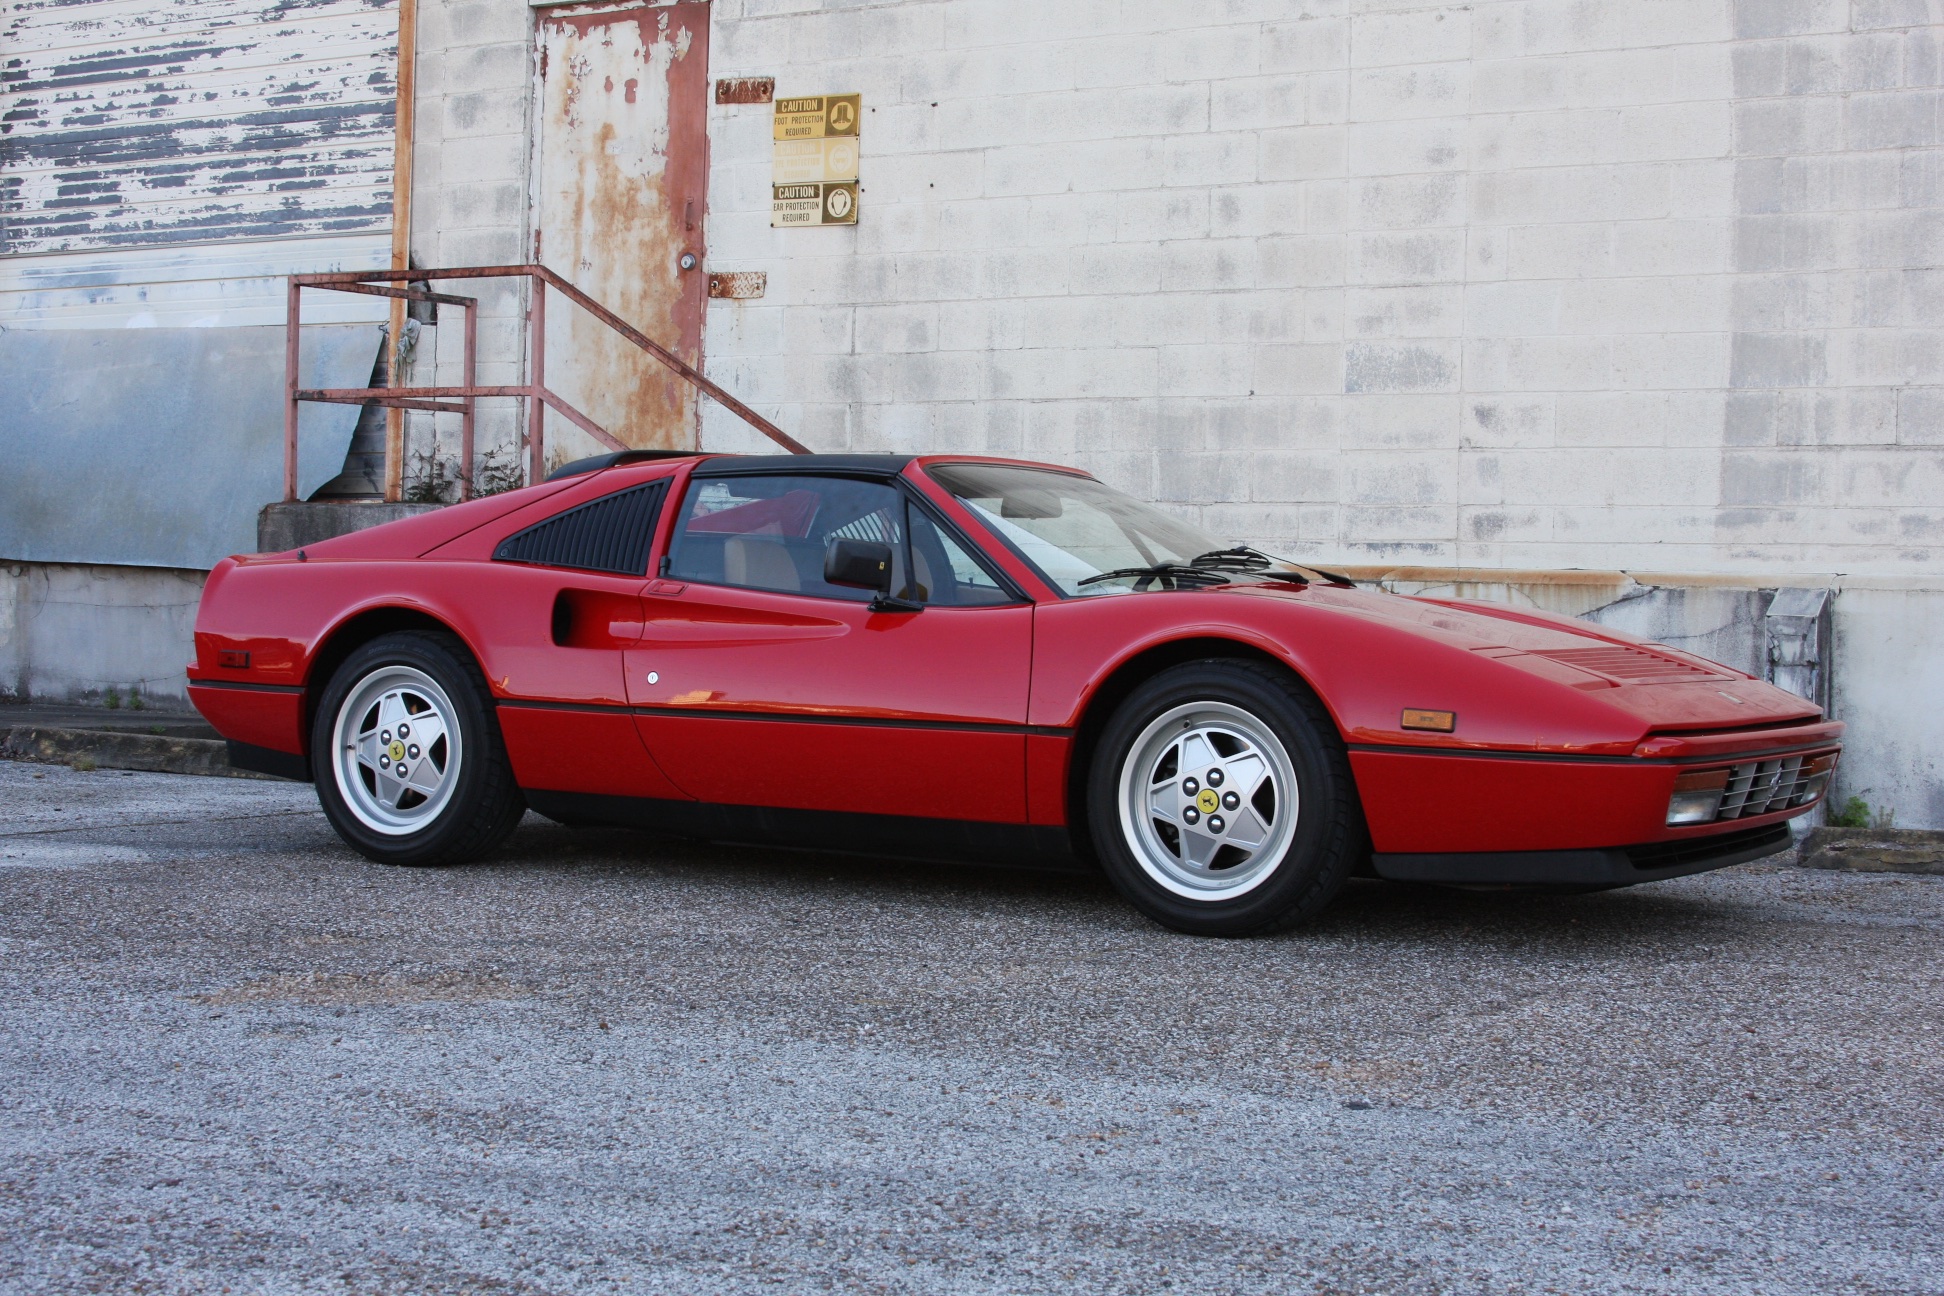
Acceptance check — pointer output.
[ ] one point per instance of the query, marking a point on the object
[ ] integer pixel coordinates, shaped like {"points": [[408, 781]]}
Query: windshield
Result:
{"points": [[1072, 528]]}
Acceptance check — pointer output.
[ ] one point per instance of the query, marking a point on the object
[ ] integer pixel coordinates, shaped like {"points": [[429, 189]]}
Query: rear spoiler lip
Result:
{"points": [[595, 463]]}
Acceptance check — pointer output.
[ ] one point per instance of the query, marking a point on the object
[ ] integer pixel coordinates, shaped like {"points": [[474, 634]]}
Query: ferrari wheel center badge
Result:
{"points": [[1208, 800], [397, 750]]}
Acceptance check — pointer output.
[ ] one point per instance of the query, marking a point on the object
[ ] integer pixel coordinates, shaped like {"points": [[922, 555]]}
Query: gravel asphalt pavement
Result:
{"points": [[234, 1056]]}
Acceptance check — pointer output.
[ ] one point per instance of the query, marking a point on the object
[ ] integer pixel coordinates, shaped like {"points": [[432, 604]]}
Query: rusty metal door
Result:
{"points": [[620, 188]]}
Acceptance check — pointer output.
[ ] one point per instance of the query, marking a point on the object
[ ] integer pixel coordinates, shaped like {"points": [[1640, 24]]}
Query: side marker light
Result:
{"points": [[1435, 721]]}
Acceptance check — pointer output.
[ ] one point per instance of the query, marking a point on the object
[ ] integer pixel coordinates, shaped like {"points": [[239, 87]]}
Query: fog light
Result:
{"points": [[1697, 797], [1815, 778]]}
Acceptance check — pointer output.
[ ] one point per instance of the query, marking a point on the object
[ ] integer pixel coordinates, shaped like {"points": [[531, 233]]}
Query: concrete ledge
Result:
{"points": [[156, 752], [1873, 850], [167, 722], [282, 527]]}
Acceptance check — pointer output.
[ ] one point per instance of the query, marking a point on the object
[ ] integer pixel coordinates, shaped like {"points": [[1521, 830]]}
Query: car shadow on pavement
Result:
{"points": [[1081, 897]]}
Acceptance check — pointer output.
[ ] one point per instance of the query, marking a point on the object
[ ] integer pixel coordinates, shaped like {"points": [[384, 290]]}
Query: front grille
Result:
{"points": [[1764, 787], [1767, 840]]}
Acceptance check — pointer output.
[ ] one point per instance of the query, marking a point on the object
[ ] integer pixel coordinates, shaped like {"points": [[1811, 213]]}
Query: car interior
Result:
{"points": [[771, 533]]}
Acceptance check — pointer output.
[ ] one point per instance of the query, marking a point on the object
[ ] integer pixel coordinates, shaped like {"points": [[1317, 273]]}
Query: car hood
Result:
{"points": [[1666, 688]]}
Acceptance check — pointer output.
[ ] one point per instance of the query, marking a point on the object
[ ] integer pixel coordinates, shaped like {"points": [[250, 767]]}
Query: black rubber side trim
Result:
{"points": [[1618, 866], [1017, 845], [246, 686], [785, 717], [268, 760], [1442, 753], [1573, 758]]}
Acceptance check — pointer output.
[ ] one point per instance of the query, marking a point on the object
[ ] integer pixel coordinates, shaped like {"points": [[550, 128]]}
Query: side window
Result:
{"points": [[770, 532], [610, 534], [943, 573]]}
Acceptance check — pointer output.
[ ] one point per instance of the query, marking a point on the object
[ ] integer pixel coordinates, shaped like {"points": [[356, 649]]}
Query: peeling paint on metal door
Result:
{"points": [[129, 123], [620, 174]]}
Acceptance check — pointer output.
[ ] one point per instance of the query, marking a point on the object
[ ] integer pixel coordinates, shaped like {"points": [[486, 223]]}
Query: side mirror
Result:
{"points": [[865, 564], [861, 564]]}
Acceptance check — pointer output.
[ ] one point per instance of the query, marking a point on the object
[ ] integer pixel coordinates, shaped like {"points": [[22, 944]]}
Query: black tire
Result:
{"points": [[483, 804], [1291, 884]]}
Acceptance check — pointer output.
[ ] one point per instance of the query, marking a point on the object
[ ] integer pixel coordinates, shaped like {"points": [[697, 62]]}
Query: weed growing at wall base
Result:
{"points": [[1856, 813]]}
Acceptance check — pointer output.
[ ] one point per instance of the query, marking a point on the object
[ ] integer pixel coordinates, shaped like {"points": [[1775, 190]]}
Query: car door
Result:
{"points": [[561, 602], [757, 683]]}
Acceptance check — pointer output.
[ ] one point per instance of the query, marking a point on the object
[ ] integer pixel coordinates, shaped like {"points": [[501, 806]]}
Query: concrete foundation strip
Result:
{"points": [[112, 750], [1873, 850]]}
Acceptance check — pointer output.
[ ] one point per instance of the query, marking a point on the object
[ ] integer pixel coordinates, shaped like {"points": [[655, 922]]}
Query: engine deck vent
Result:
{"points": [[1625, 664]]}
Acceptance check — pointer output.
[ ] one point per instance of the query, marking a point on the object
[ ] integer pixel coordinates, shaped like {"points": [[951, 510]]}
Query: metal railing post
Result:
{"points": [[466, 419], [462, 400], [537, 379], [292, 306]]}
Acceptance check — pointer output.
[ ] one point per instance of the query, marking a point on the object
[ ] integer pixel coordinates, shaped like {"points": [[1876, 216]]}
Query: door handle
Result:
{"points": [[584, 618]]}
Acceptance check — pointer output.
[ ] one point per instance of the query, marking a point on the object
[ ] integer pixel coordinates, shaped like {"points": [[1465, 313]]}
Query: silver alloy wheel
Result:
{"points": [[1208, 800], [396, 750]]}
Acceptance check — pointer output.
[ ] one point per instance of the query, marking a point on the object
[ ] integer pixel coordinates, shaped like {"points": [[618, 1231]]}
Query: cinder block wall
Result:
{"points": [[471, 158], [1528, 283], [70, 631], [1540, 284]]}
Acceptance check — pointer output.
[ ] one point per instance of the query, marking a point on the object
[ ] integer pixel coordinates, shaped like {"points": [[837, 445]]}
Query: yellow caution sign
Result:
{"points": [[818, 116], [813, 204], [813, 161]]}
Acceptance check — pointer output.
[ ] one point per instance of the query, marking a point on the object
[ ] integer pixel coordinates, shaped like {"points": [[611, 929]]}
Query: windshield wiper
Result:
{"points": [[1174, 574], [1235, 558], [1215, 567], [1247, 558]]}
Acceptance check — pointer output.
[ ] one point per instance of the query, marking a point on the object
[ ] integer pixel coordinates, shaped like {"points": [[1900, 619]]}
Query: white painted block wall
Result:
{"points": [[71, 631], [1533, 283], [1644, 284]]}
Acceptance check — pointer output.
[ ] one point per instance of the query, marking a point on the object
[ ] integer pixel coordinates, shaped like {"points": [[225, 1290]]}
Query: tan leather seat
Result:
{"points": [[759, 562], [921, 575]]}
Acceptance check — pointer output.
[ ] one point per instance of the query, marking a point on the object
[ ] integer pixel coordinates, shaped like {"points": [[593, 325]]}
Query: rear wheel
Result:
{"points": [[410, 765], [1221, 801]]}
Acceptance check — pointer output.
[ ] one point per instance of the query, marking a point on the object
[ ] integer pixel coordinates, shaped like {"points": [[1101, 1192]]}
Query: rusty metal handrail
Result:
{"points": [[460, 399]]}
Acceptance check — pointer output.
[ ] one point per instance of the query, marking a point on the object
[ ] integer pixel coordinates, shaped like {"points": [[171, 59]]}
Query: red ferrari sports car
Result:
{"points": [[956, 657]]}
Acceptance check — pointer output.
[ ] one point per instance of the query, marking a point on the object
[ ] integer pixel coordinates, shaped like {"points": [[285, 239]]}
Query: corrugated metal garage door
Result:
{"points": [[138, 122]]}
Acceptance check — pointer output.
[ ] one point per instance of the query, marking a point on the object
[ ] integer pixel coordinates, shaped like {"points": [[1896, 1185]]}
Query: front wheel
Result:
{"points": [[1221, 800], [410, 766]]}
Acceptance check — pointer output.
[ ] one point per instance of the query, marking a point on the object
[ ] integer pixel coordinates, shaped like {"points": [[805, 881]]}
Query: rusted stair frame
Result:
{"points": [[460, 400]]}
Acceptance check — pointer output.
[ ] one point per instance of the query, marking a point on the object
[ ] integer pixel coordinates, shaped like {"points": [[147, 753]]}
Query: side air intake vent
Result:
{"points": [[610, 534]]}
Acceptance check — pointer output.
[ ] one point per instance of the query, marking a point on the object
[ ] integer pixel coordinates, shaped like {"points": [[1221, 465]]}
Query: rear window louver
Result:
{"points": [[610, 534]]}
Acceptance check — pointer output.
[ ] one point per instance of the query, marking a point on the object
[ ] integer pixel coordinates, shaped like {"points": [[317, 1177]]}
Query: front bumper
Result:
{"points": [[1612, 867]]}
